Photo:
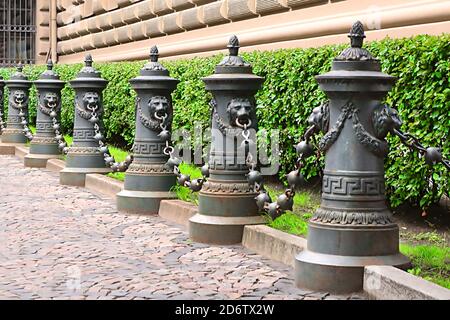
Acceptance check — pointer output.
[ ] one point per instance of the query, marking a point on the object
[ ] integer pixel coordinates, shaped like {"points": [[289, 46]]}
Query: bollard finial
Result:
{"points": [[154, 54], [49, 64], [233, 45], [356, 52], [357, 35], [88, 60], [233, 59], [153, 64]]}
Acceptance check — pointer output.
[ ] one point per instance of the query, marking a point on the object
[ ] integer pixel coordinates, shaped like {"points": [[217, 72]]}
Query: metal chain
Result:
{"points": [[26, 131], [285, 201], [432, 155], [182, 179], [62, 144], [103, 148], [2, 123]]}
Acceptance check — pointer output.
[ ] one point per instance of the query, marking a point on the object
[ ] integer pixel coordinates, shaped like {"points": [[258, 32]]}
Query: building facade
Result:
{"points": [[114, 30]]}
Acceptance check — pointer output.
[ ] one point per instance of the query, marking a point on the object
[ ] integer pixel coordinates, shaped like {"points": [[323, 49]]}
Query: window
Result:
{"points": [[17, 32]]}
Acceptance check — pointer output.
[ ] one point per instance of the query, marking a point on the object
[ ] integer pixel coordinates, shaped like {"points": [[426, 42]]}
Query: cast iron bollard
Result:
{"points": [[353, 226], [148, 180], [83, 155], [226, 201], [2, 110], [44, 146], [18, 86]]}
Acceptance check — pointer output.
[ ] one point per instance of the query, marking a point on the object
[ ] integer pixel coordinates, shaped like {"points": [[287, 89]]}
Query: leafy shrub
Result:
{"points": [[289, 93]]}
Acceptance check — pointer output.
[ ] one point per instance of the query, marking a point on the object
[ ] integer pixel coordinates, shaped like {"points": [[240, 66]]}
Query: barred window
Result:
{"points": [[17, 32]]}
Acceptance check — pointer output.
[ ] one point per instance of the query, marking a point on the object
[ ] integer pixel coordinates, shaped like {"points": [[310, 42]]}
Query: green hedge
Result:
{"points": [[421, 94]]}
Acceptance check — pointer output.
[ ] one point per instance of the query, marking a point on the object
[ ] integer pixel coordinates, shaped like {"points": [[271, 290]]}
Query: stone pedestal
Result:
{"points": [[148, 180], [83, 155], [44, 145]]}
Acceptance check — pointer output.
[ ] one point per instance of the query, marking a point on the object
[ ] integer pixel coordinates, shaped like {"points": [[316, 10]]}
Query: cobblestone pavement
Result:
{"points": [[61, 242]]}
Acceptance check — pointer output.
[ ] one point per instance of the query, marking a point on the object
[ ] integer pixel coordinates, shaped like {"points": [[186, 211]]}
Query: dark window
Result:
{"points": [[17, 32]]}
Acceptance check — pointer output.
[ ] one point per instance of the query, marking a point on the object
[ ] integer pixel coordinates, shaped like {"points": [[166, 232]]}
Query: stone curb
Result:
{"points": [[177, 211], [21, 151], [7, 149], [103, 184], [273, 244], [389, 283], [55, 165]]}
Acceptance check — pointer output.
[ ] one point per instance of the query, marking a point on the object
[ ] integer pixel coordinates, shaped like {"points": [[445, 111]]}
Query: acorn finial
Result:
{"points": [[88, 60], [233, 46], [356, 35], [49, 64], [154, 54], [20, 67]]}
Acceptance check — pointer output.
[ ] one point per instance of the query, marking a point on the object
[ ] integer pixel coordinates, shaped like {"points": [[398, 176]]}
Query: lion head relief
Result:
{"points": [[385, 119], [159, 112], [51, 100], [158, 106], [91, 100], [241, 112], [19, 97]]}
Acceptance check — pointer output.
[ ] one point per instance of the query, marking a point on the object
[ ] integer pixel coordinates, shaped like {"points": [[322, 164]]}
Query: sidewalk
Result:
{"points": [[62, 242]]}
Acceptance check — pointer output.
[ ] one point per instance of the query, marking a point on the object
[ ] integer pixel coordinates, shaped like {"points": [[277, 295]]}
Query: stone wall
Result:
{"points": [[124, 29]]}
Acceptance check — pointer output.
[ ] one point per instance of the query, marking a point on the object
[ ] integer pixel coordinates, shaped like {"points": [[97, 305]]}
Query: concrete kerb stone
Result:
{"points": [[7, 148], [103, 184], [21, 151], [55, 165], [273, 244], [177, 211], [389, 283]]}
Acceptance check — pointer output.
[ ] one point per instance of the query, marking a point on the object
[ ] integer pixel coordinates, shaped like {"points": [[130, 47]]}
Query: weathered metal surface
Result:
{"points": [[44, 146], [148, 180], [353, 226], [18, 86], [226, 201], [83, 155]]}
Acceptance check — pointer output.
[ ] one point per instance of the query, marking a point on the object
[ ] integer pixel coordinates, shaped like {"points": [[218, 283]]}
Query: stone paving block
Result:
{"points": [[64, 242]]}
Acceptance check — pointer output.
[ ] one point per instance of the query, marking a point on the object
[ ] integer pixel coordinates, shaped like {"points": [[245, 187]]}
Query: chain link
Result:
{"points": [[62, 144], [26, 131], [2, 123], [103, 148], [285, 201], [432, 155], [174, 163]]}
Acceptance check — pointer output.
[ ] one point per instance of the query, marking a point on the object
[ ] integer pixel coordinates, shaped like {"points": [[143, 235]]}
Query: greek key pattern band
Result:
{"points": [[353, 186], [148, 148], [83, 134]]}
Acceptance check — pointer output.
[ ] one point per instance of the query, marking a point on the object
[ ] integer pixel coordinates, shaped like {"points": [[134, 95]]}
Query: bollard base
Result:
{"points": [[336, 255], [338, 274], [142, 202], [14, 138], [77, 176], [220, 230], [38, 160]]}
